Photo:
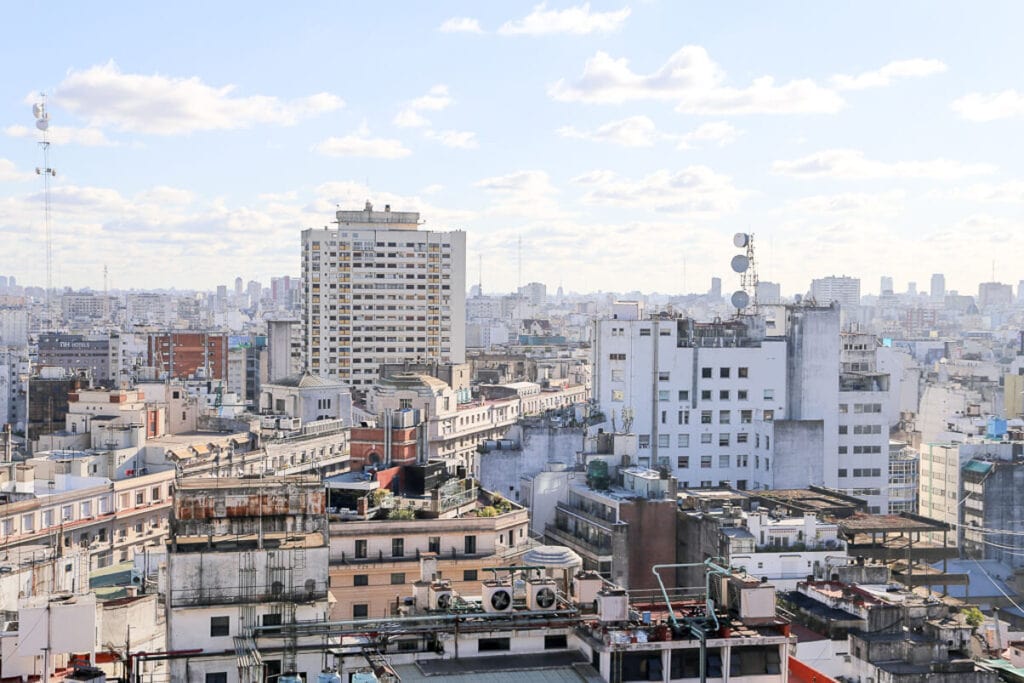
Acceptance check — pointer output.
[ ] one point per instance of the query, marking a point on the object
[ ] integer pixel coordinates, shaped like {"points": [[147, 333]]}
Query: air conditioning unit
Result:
{"points": [[612, 605], [496, 597], [439, 595], [541, 595]]}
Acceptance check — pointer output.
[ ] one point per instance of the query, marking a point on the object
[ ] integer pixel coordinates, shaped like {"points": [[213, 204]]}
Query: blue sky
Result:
{"points": [[618, 140]]}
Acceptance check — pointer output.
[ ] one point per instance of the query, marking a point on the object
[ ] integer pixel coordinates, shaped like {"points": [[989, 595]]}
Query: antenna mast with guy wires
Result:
{"points": [[746, 266], [43, 124]]}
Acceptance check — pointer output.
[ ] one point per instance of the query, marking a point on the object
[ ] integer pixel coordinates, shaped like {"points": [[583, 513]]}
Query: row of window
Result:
{"points": [[398, 546], [865, 472], [683, 440], [724, 461], [861, 450], [861, 429]]}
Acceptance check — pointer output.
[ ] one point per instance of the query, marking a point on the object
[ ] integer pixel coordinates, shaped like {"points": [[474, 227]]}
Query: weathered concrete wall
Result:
{"points": [[799, 454], [500, 471]]}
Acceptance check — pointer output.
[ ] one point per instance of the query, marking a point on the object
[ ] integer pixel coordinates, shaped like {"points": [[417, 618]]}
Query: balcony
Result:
{"points": [[196, 597]]}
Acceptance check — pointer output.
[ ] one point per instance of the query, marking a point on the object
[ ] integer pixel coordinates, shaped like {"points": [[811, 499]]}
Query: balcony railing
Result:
{"points": [[237, 594]]}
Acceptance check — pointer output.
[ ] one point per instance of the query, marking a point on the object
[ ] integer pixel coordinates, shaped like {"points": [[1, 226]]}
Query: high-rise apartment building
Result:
{"points": [[938, 290], [377, 289], [845, 290]]}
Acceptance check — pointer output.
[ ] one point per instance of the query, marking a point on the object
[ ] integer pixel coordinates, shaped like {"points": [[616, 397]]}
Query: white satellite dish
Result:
{"points": [[740, 263], [740, 299], [740, 239], [42, 124], [36, 110]]}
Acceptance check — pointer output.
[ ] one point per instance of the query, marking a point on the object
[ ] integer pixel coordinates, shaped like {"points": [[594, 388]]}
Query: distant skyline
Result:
{"points": [[194, 142]]}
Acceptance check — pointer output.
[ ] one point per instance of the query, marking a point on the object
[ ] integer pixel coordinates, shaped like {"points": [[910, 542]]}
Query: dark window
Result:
{"points": [[361, 547], [434, 544], [397, 578], [493, 644], [705, 373], [219, 677], [470, 545], [220, 626], [555, 642], [723, 373], [360, 611], [360, 580], [397, 547], [272, 620], [469, 575]]}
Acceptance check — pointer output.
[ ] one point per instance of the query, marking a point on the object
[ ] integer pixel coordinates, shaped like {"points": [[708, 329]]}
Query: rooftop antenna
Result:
{"points": [[43, 125], [746, 266]]}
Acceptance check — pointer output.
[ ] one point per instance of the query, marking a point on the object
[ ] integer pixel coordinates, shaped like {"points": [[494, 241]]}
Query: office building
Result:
{"points": [[938, 290], [377, 289], [843, 289]]}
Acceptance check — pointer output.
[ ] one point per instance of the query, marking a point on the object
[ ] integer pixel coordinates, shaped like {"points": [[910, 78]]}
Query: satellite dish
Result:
{"points": [[42, 124], [740, 239], [36, 110], [740, 299], [740, 263]]}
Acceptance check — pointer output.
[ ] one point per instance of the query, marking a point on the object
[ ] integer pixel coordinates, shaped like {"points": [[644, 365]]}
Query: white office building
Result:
{"points": [[377, 289], [725, 401], [843, 289]]}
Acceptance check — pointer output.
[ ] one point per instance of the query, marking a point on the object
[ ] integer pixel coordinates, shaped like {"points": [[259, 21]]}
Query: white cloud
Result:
{"points": [[863, 204], [696, 189], [360, 144], [64, 135], [907, 68], [691, 78], [640, 131], [458, 139], [1012, 191], [436, 99], [990, 107], [574, 20], [635, 131], [850, 164], [528, 193], [721, 133], [162, 105], [10, 173], [460, 25]]}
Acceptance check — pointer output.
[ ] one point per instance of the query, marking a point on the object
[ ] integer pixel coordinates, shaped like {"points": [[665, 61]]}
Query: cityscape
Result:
{"points": [[623, 366]]}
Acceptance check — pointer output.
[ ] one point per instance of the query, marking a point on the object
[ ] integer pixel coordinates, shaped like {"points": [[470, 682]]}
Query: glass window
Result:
{"points": [[723, 373], [220, 626], [705, 462], [361, 548], [397, 547], [360, 580], [705, 373], [360, 611], [683, 461], [469, 544], [663, 440], [397, 578], [742, 372]]}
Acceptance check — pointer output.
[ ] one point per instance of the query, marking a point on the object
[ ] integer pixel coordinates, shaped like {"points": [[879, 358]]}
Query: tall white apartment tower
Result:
{"points": [[726, 401], [378, 289]]}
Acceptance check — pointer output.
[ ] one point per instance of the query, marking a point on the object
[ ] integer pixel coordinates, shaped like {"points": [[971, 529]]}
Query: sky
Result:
{"points": [[602, 146]]}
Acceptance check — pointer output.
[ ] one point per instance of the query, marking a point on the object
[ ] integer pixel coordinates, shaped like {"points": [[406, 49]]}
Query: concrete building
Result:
{"points": [[284, 348], [937, 291], [383, 524], [74, 352], [842, 289], [993, 502], [183, 355], [752, 402], [994, 294], [380, 290], [308, 398], [245, 557], [768, 293]]}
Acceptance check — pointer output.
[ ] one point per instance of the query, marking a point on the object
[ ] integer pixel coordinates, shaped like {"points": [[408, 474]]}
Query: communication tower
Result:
{"points": [[746, 266], [43, 125]]}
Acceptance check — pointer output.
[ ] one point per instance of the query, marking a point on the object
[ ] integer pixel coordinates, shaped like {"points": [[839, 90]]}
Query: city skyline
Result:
{"points": [[629, 140]]}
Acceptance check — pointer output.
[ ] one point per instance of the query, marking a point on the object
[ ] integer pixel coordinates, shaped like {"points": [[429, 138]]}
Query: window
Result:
{"points": [[705, 417], [684, 417], [769, 394], [705, 395], [741, 395], [723, 395], [723, 417], [705, 373], [842, 429], [616, 356], [397, 547], [742, 372], [742, 437], [705, 438], [434, 544], [705, 462], [361, 548], [557, 642], [843, 407], [645, 332], [616, 375], [220, 626], [723, 373], [469, 575], [28, 523], [769, 415], [219, 677], [683, 462], [397, 578], [723, 461], [663, 376], [360, 580], [469, 545], [746, 416], [493, 644], [683, 440], [684, 395], [723, 439], [271, 620], [360, 611], [404, 403], [644, 441], [663, 440], [663, 395]]}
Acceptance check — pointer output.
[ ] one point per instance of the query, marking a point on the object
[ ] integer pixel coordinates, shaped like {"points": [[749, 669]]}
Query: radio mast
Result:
{"points": [[43, 124]]}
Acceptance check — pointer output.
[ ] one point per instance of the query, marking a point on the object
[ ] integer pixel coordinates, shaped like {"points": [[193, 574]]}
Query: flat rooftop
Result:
{"points": [[871, 524]]}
